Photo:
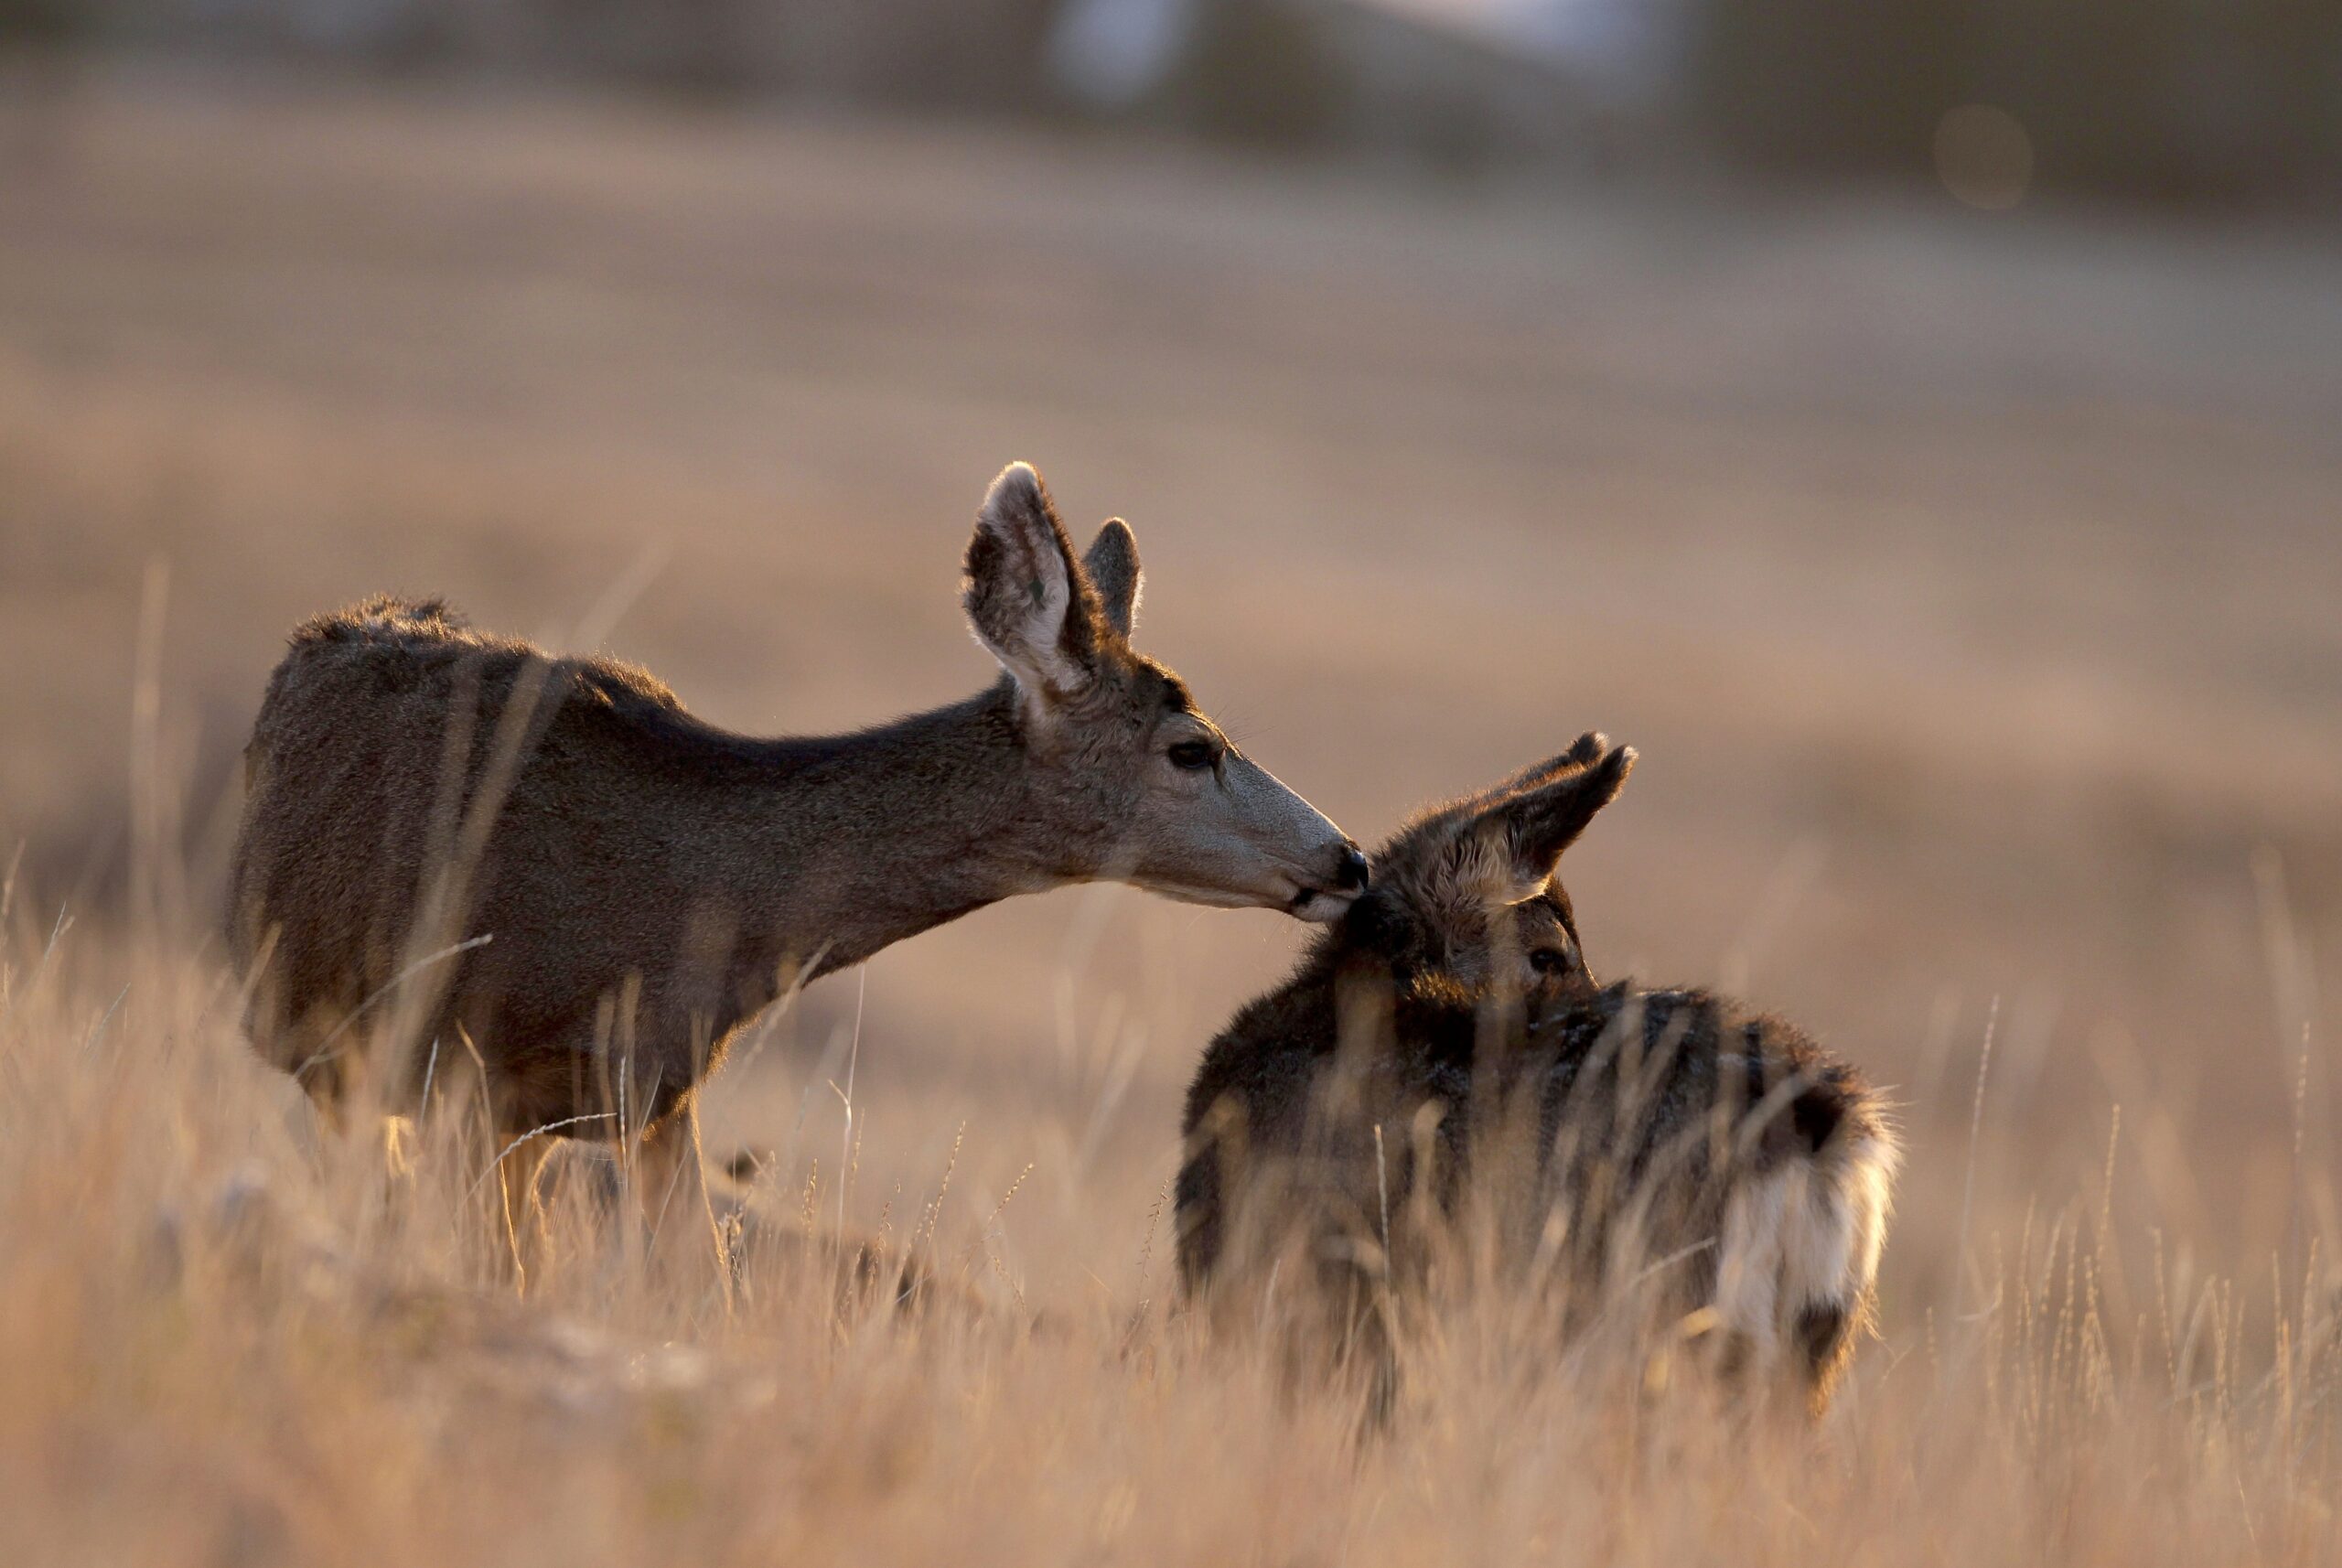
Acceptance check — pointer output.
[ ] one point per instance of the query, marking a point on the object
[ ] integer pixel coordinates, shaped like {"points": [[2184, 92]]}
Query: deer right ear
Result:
{"points": [[1545, 817], [1112, 565], [1028, 599]]}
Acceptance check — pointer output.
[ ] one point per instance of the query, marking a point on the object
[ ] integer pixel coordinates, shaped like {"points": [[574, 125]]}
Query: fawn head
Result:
{"points": [[1136, 784], [1466, 896]]}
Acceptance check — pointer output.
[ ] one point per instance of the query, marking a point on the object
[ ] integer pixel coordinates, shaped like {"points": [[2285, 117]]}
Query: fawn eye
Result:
{"points": [[1548, 960], [1192, 754]]}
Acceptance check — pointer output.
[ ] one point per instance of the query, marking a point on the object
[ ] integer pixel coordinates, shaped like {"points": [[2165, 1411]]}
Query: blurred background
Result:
{"points": [[2173, 100], [1912, 423]]}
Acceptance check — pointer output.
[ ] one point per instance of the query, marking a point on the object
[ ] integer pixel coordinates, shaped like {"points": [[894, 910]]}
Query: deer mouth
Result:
{"points": [[1315, 905], [1320, 905]]}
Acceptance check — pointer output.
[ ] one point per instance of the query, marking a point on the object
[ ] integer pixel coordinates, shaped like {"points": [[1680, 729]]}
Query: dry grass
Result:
{"points": [[1968, 588]]}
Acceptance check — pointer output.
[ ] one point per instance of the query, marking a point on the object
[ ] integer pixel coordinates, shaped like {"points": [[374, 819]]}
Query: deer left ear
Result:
{"points": [[1027, 599], [1536, 824]]}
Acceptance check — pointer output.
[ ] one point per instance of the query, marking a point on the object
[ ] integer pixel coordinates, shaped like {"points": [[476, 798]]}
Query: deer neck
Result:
{"points": [[857, 841]]}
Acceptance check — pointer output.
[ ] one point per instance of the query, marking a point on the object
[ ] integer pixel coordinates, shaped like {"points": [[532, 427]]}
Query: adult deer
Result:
{"points": [[466, 848]]}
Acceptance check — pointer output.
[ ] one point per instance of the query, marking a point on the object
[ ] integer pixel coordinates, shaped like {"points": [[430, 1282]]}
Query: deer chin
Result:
{"points": [[1315, 905], [1319, 906]]}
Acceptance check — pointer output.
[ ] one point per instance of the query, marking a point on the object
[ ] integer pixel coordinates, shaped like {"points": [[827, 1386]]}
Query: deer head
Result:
{"points": [[1468, 893], [1135, 782]]}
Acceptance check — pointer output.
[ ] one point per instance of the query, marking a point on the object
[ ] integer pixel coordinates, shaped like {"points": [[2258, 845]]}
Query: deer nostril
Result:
{"points": [[1350, 871]]}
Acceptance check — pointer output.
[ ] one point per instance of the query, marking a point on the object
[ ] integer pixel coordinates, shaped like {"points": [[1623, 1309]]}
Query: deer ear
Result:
{"points": [[1028, 599], [1534, 826], [1112, 565]]}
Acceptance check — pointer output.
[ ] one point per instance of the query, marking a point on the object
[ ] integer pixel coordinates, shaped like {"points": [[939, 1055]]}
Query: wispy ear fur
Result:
{"points": [[1028, 598], [1112, 565], [1583, 752]]}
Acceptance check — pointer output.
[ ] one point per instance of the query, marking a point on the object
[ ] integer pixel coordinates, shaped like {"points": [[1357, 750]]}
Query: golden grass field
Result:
{"points": [[1970, 585]]}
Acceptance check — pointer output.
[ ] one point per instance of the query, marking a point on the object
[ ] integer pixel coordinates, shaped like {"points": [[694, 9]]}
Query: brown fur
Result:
{"points": [[547, 866]]}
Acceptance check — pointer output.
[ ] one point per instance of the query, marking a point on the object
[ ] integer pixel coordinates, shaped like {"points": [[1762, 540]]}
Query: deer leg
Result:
{"points": [[670, 1187]]}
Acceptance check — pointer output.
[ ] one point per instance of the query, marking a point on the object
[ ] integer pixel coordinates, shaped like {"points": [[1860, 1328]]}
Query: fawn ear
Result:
{"points": [[1027, 597], [1112, 565], [1534, 824]]}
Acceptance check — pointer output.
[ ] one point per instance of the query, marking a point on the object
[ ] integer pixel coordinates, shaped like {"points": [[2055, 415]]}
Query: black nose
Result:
{"points": [[1349, 871]]}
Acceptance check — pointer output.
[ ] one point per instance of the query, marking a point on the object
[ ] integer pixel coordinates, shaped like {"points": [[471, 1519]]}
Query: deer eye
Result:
{"points": [[1548, 960], [1192, 754]]}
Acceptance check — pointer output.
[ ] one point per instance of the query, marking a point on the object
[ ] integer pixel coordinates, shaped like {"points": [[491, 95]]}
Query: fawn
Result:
{"points": [[1443, 1070]]}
